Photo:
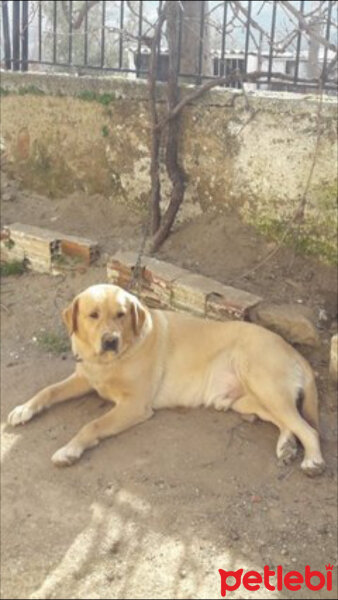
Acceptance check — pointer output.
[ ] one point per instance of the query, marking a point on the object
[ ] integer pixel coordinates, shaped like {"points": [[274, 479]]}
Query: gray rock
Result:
{"points": [[293, 322], [8, 196]]}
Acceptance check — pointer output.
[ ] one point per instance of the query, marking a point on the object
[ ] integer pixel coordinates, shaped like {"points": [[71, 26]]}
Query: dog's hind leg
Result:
{"points": [[309, 398], [284, 413], [246, 406], [313, 463], [287, 444], [277, 391]]}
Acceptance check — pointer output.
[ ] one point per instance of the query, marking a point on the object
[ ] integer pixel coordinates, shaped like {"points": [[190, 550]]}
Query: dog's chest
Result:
{"points": [[102, 379]]}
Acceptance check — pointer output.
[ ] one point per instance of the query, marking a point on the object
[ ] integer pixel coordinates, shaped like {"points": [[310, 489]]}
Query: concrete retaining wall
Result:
{"points": [[61, 133]]}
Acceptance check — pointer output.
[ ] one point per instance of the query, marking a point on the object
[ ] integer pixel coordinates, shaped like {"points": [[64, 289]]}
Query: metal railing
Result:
{"points": [[114, 37]]}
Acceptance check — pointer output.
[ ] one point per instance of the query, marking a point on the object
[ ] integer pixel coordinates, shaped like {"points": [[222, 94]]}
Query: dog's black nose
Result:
{"points": [[110, 342]]}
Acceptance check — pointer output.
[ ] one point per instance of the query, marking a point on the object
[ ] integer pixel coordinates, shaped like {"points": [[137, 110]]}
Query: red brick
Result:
{"points": [[42, 247]]}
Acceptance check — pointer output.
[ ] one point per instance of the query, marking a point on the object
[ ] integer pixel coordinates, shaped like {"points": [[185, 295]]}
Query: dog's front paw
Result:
{"points": [[67, 455], [21, 414], [312, 468]]}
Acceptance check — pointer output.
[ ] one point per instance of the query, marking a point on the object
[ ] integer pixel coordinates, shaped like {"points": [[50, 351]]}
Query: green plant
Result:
{"points": [[64, 260], [9, 244], [53, 342], [13, 267], [105, 99], [87, 95], [22, 91], [30, 89], [105, 131], [90, 96], [59, 260]]}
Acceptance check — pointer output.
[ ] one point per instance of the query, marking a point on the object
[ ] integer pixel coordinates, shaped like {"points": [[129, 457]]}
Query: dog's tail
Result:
{"points": [[308, 397]]}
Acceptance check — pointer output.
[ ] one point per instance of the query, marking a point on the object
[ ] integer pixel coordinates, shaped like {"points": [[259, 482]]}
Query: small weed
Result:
{"points": [[105, 131], [68, 262], [53, 342], [105, 99], [87, 95], [13, 267], [9, 244], [59, 260], [305, 241], [91, 96], [4, 92], [30, 89]]}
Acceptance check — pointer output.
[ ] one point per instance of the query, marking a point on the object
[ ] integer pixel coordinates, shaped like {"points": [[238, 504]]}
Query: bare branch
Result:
{"points": [[234, 76], [331, 66], [262, 6], [207, 14], [237, 7], [317, 10], [76, 24], [305, 26], [137, 14]]}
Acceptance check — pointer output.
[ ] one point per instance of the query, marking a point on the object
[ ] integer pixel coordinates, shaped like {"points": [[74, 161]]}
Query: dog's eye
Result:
{"points": [[94, 315], [120, 314]]}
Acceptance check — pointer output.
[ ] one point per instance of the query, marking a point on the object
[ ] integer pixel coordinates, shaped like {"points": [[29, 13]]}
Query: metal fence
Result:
{"points": [[214, 38]]}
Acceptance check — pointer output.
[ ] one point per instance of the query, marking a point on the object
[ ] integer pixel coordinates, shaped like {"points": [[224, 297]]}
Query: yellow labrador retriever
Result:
{"points": [[143, 360]]}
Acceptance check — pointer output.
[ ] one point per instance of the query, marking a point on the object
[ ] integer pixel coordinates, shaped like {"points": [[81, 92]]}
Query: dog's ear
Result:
{"points": [[138, 315], [70, 316]]}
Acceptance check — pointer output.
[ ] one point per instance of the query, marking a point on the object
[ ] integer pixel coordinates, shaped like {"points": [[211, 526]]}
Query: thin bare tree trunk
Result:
{"points": [[156, 131], [175, 171]]}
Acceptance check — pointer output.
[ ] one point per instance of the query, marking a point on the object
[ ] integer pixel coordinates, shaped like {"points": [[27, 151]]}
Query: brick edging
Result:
{"points": [[160, 285], [163, 285], [45, 251]]}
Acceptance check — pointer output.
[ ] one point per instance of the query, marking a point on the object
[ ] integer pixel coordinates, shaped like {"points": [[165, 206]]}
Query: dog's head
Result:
{"points": [[104, 321]]}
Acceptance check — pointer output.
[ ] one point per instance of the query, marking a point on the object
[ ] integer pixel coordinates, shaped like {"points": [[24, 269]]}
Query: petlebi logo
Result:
{"points": [[290, 580]]}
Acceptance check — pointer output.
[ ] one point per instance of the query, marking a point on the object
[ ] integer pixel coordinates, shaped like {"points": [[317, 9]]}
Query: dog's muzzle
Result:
{"points": [[110, 342]]}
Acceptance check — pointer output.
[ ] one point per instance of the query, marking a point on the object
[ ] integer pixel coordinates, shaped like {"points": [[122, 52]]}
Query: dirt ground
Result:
{"points": [[156, 511]]}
